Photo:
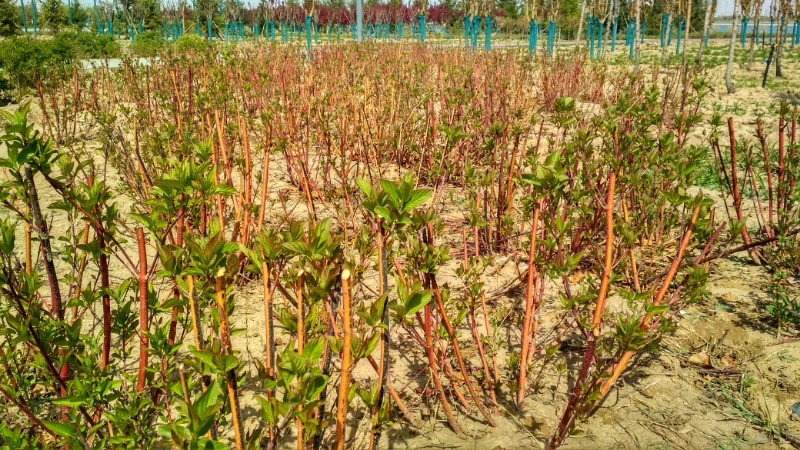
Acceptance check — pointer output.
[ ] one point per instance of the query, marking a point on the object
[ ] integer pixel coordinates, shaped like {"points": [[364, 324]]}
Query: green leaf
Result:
{"points": [[418, 198], [71, 402], [298, 247], [61, 429], [313, 349], [391, 190], [417, 301], [318, 384], [208, 399], [364, 187], [380, 211]]}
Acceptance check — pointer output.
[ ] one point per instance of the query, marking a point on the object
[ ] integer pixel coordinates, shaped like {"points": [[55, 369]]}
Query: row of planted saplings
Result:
{"points": [[198, 266], [281, 113], [761, 172]]}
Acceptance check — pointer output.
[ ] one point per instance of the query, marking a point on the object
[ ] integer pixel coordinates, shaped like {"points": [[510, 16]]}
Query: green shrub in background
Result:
{"points": [[191, 42], [23, 59], [84, 45], [148, 44]]}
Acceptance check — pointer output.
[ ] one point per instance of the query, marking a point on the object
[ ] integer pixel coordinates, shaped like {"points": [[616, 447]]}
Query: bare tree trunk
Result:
{"points": [[706, 25], [668, 26], [731, 49], [754, 36], [636, 39], [580, 24], [782, 19], [183, 16], [688, 27], [609, 23]]}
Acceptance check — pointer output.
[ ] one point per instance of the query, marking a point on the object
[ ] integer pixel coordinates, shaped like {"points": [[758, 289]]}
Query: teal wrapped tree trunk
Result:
{"points": [[743, 34], [532, 35], [771, 25], [632, 38], [487, 41], [467, 22], [422, 27], [97, 19], [600, 28], [614, 34], [24, 20], [308, 33], [474, 29]]}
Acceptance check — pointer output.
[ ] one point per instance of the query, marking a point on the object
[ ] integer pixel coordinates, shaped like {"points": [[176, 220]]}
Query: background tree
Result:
{"points": [[54, 15], [9, 14], [80, 15], [511, 8], [150, 14]]}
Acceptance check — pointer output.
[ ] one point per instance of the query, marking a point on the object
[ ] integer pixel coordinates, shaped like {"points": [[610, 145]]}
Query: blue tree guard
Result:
{"points": [[743, 34], [680, 33], [631, 37], [24, 20], [771, 23], [601, 26], [644, 30], [487, 40], [467, 23], [308, 33], [532, 36], [614, 34], [664, 22], [474, 29], [422, 27], [551, 37], [97, 18]]}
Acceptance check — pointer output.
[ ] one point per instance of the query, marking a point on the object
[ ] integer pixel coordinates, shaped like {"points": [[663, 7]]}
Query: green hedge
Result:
{"points": [[23, 58]]}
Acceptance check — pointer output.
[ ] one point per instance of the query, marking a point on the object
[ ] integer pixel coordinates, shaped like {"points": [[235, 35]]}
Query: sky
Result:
{"points": [[725, 8]]}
